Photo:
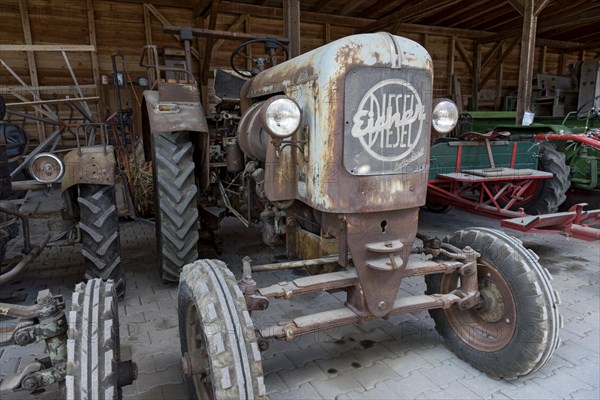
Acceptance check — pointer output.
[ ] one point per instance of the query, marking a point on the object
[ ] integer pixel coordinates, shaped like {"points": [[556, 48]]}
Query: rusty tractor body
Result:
{"points": [[331, 156]]}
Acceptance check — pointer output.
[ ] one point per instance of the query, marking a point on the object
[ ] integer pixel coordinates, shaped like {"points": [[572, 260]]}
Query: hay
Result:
{"points": [[143, 188]]}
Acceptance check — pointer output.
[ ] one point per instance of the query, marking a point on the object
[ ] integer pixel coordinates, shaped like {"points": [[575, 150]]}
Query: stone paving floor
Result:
{"points": [[402, 357]]}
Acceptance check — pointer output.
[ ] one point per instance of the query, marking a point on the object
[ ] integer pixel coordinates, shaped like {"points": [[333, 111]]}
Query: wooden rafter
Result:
{"points": [[31, 60], [237, 24], [463, 55], [321, 5], [350, 6], [499, 62], [163, 20], [404, 13]]}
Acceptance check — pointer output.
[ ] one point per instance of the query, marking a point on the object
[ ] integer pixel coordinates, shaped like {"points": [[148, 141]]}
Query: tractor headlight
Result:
{"points": [[280, 116], [46, 168], [445, 115]]}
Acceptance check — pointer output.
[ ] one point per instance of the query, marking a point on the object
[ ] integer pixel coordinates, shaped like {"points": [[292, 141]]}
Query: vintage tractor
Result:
{"points": [[86, 177], [82, 348], [331, 155], [523, 173]]}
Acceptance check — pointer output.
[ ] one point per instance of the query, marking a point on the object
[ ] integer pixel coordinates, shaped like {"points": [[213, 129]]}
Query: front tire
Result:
{"points": [[217, 335], [93, 344], [99, 224], [514, 330], [175, 204]]}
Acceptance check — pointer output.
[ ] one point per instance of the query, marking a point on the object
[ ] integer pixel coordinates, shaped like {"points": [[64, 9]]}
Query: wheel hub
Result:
{"points": [[491, 306]]}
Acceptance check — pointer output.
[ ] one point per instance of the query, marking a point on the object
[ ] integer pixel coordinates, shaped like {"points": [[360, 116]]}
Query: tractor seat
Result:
{"points": [[484, 136]]}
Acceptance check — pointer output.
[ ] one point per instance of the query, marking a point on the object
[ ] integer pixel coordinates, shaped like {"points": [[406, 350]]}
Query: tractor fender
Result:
{"points": [[94, 165], [189, 116]]}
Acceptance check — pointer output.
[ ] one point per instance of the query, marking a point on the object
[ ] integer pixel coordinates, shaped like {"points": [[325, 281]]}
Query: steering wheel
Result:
{"points": [[273, 48]]}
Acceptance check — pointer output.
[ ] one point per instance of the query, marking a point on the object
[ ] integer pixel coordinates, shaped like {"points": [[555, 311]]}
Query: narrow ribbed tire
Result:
{"points": [[93, 343], [99, 225], [553, 191], [175, 203], [217, 334], [515, 333]]}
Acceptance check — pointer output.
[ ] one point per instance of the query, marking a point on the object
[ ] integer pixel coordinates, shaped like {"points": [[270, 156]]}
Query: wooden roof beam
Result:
{"points": [[404, 13], [321, 5]]}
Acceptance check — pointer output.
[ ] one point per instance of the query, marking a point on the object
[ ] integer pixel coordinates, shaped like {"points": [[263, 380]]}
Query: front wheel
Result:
{"points": [[514, 329], [221, 358], [93, 367]]}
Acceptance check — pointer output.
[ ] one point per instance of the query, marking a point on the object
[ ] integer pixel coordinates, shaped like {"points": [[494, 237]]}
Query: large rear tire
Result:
{"points": [[514, 330], [99, 224], [217, 335], [175, 203], [552, 191], [93, 344]]}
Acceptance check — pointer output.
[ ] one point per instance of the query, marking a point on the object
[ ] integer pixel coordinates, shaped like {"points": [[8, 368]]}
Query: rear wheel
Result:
{"points": [[514, 329], [174, 203], [221, 358], [93, 344], [552, 192], [99, 224]]}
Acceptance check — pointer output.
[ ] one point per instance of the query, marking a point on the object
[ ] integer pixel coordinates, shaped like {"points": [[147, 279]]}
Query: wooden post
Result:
{"points": [[31, 62], [476, 74], [94, 55], [291, 25], [248, 29], [531, 9], [327, 32], [212, 24], [499, 78], [450, 69], [543, 60]]}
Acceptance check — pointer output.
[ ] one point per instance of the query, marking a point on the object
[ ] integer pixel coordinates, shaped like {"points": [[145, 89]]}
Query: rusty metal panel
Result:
{"points": [[386, 121], [189, 117], [178, 92], [94, 165]]}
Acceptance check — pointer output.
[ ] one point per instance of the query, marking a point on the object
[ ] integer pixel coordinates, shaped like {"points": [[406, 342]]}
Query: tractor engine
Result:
{"points": [[338, 143]]}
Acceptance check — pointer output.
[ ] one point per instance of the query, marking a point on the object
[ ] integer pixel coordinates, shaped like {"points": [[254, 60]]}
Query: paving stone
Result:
{"points": [[308, 373], [454, 390], [435, 355], [587, 372], [406, 363], [302, 356], [147, 381], [379, 392], [274, 384], [586, 394], [445, 374], [277, 363], [530, 390], [162, 335], [333, 387], [370, 376], [337, 364], [304, 392], [485, 386], [411, 386]]}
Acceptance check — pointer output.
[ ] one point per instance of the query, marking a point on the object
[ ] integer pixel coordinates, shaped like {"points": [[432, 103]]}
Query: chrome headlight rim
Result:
{"points": [[40, 179], [449, 112], [268, 111]]}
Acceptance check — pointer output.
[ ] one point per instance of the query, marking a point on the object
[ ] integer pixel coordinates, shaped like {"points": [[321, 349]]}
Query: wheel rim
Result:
{"points": [[491, 325], [196, 344]]}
